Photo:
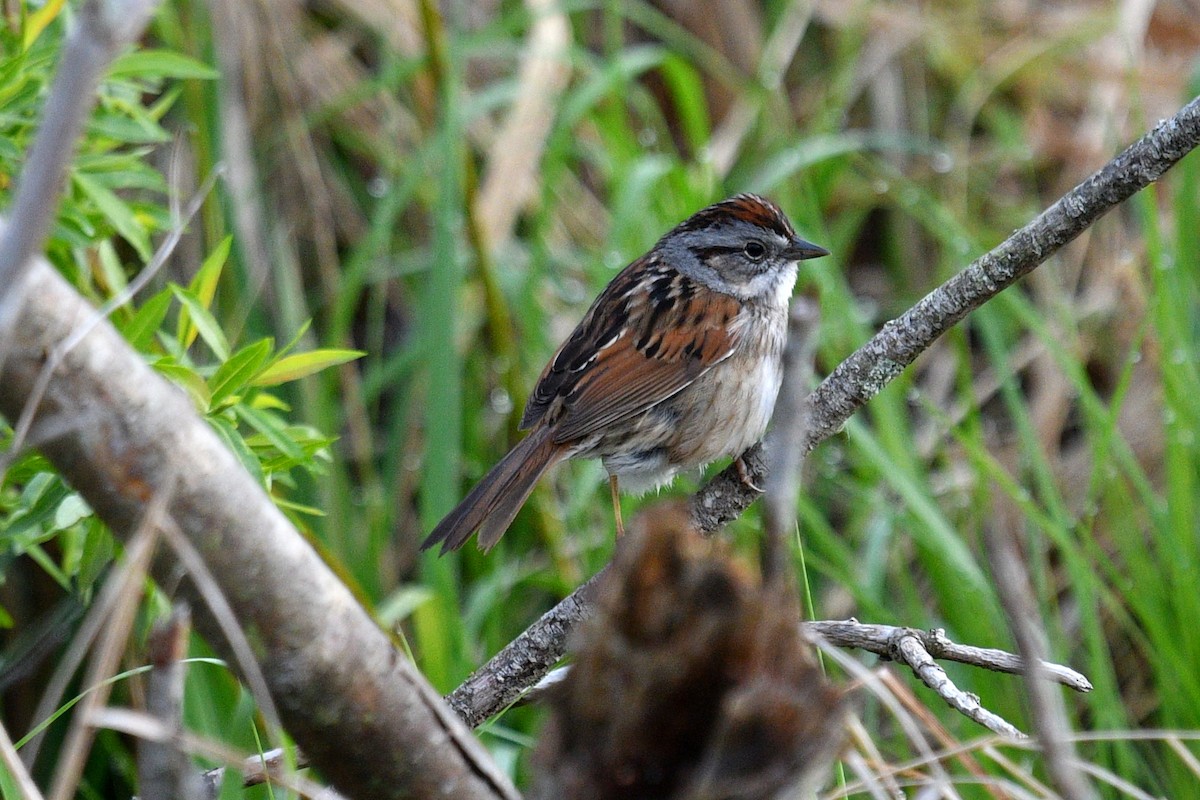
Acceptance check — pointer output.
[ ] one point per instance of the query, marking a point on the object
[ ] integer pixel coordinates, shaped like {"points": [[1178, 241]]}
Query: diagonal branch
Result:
{"points": [[856, 380], [873, 366], [361, 710]]}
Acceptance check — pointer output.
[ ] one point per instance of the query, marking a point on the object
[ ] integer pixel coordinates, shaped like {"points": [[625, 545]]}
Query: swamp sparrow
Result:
{"points": [[676, 364]]}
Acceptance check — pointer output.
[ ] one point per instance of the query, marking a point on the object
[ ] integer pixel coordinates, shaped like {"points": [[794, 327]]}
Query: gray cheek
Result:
{"points": [[737, 275]]}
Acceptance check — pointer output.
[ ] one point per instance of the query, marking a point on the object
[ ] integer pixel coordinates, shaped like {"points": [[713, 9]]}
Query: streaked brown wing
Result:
{"points": [[647, 337]]}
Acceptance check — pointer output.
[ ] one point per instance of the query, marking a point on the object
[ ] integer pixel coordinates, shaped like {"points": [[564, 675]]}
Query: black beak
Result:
{"points": [[800, 250]]}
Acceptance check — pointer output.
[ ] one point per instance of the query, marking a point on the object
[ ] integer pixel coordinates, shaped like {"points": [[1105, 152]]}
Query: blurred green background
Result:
{"points": [[444, 188]]}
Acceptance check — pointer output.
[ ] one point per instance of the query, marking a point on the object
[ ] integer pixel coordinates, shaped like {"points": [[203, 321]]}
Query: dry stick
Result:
{"points": [[165, 771], [910, 652], [255, 770], [18, 772], [207, 588], [886, 641], [786, 455], [860, 377], [103, 29], [111, 643], [916, 649], [1047, 711], [151, 729]]}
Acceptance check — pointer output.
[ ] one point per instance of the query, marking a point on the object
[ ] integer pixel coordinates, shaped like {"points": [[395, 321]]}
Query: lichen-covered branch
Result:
{"points": [[859, 378]]}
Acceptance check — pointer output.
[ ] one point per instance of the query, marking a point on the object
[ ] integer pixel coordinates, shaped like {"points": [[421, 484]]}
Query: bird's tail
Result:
{"points": [[496, 499]]}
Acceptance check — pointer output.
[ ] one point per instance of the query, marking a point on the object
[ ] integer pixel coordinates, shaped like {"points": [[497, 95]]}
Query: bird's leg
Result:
{"points": [[616, 500], [743, 472]]}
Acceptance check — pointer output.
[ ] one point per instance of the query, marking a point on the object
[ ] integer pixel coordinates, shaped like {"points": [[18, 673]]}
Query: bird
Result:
{"points": [[676, 364]]}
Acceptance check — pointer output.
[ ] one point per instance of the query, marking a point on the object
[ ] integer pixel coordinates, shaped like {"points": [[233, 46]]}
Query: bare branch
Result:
{"points": [[874, 365], [360, 710], [884, 640], [917, 658], [523, 662], [916, 649], [861, 376]]}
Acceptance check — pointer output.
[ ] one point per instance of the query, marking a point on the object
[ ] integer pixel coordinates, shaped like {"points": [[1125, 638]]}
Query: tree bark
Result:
{"points": [[121, 435]]}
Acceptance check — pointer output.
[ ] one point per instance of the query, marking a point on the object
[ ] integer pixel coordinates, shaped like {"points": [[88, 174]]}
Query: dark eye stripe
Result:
{"points": [[704, 253]]}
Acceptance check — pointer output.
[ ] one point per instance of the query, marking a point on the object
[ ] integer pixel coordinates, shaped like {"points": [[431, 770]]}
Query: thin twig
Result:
{"points": [[60, 352], [785, 451], [103, 29], [917, 658], [525, 660], [1046, 708], [218, 605], [149, 728], [884, 640], [875, 683], [255, 770], [17, 770], [916, 649], [129, 580]]}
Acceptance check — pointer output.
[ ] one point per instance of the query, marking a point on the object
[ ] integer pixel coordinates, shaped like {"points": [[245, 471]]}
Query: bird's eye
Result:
{"points": [[755, 250]]}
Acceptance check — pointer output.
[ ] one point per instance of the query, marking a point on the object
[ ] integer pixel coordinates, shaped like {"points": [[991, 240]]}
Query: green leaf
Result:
{"points": [[204, 287], [72, 509], [38, 20], [127, 126], [295, 340], [160, 64], [271, 430], [116, 212], [201, 322], [140, 330], [288, 505], [39, 502], [205, 283], [186, 377], [299, 365], [110, 268], [239, 369], [234, 441]]}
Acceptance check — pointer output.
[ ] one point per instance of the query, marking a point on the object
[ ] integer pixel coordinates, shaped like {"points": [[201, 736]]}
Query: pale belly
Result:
{"points": [[719, 416]]}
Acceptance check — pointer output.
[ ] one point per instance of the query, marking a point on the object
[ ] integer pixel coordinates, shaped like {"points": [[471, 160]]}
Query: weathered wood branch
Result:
{"points": [[524, 661], [120, 434]]}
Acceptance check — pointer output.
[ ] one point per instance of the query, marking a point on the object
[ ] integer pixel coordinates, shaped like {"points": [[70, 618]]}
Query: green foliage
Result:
{"points": [[893, 513], [114, 207]]}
